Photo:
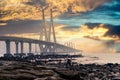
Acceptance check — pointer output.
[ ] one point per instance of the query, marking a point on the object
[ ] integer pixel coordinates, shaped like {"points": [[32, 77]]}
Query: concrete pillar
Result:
{"points": [[51, 48], [21, 47], [30, 47], [45, 48], [41, 47], [7, 46], [16, 43]]}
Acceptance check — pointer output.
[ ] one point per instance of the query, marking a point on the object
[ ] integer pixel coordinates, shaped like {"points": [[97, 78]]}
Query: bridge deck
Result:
{"points": [[27, 40]]}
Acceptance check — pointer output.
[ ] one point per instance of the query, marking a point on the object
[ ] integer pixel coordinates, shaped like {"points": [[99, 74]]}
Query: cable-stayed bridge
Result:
{"points": [[47, 42]]}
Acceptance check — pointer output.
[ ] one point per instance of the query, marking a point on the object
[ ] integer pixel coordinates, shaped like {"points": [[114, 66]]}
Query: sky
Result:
{"points": [[92, 25]]}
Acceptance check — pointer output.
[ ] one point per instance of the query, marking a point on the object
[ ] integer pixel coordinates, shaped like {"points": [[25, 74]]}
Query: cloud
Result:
{"points": [[92, 38], [88, 45], [67, 34], [112, 33], [30, 9], [92, 31], [91, 46]]}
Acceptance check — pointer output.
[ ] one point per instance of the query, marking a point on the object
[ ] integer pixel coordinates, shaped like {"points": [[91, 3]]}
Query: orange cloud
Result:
{"points": [[98, 32], [88, 45], [16, 9]]}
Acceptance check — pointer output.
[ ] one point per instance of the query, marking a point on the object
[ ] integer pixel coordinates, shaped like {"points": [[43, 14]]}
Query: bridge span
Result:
{"points": [[45, 47], [45, 43]]}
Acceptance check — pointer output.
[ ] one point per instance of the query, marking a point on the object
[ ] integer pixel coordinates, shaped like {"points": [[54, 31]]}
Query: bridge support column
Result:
{"points": [[7, 54], [53, 49], [46, 48], [7, 47], [41, 48], [17, 46], [30, 47], [30, 54], [21, 47], [16, 43], [22, 52]]}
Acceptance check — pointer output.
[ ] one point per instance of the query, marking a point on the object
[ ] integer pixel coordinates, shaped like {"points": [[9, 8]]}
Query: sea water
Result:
{"points": [[99, 58]]}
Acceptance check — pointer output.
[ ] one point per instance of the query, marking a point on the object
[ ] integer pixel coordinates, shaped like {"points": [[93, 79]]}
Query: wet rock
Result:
{"points": [[27, 71]]}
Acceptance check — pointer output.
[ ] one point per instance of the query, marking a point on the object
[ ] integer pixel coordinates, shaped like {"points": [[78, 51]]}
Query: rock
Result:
{"points": [[68, 74], [27, 71]]}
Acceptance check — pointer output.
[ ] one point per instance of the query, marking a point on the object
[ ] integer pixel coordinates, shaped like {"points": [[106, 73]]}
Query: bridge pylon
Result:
{"points": [[47, 34], [43, 28], [51, 29]]}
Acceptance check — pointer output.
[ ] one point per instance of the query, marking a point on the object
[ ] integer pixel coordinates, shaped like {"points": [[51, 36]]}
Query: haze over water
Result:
{"points": [[101, 58]]}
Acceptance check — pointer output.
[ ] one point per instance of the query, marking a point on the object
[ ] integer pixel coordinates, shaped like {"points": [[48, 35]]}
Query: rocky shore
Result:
{"points": [[12, 70]]}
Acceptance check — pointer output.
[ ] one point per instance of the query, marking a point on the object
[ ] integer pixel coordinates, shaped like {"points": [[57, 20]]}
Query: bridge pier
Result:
{"points": [[7, 54], [17, 46], [22, 54], [40, 47], [7, 47], [52, 49], [43, 49], [16, 43], [30, 47], [21, 47]]}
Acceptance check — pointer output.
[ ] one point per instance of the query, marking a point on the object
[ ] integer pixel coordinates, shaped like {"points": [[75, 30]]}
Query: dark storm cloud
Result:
{"points": [[113, 30]]}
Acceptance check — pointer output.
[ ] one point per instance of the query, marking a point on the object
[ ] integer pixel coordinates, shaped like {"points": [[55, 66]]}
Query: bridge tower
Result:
{"points": [[43, 28], [47, 34], [52, 36], [51, 29]]}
